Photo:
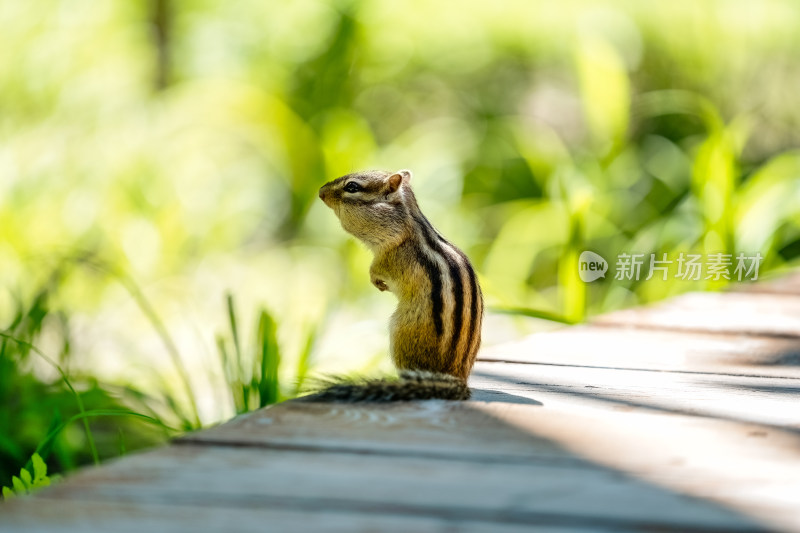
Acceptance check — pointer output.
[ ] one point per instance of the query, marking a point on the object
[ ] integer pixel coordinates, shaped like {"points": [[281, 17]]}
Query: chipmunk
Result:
{"points": [[435, 332]]}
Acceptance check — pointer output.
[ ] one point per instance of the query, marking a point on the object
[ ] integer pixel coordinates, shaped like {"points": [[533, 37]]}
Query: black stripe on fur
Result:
{"points": [[429, 232], [435, 277]]}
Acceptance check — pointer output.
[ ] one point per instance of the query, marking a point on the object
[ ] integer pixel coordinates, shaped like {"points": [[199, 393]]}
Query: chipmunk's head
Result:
{"points": [[371, 205]]}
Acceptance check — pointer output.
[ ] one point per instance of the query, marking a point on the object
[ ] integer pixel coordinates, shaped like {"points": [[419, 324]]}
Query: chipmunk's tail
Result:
{"points": [[410, 385]]}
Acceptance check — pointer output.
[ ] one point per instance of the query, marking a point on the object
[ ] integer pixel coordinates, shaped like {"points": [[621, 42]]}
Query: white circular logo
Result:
{"points": [[591, 266]]}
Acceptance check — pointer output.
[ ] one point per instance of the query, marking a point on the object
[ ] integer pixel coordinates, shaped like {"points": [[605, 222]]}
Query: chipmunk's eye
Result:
{"points": [[352, 187]]}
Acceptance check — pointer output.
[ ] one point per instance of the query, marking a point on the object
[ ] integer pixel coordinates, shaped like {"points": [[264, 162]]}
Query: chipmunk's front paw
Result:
{"points": [[382, 286]]}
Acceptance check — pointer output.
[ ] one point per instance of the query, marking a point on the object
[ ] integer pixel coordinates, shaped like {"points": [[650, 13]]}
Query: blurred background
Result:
{"points": [[165, 262]]}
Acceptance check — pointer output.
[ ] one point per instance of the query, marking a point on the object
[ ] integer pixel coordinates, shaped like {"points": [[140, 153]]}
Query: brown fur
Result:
{"points": [[436, 326]]}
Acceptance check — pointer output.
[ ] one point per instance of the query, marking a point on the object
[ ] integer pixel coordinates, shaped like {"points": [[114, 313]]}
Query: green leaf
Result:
{"points": [[8, 493], [39, 468], [19, 486], [26, 478]]}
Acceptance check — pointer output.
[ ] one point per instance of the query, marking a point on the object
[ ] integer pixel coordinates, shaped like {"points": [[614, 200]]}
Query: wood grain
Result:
{"points": [[583, 466], [757, 400], [616, 346], [455, 490], [432, 429], [681, 416], [70, 516]]}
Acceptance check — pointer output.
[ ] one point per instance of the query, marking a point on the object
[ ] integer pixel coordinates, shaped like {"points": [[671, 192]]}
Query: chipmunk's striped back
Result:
{"points": [[456, 299], [436, 328]]}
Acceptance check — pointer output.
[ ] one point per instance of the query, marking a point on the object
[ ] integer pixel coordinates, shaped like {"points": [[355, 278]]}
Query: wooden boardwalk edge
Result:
{"points": [[681, 416]]}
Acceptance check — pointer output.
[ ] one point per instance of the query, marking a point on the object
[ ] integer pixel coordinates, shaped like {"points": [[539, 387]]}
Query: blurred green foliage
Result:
{"points": [[183, 143], [34, 410]]}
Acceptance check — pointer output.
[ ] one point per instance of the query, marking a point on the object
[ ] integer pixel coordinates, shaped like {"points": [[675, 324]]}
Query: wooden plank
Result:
{"points": [[673, 453], [679, 454], [757, 400], [690, 455], [433, 429], [427, 429], [772, 315], [647, 349], [450, 491], [70, 516], [745, 467]]}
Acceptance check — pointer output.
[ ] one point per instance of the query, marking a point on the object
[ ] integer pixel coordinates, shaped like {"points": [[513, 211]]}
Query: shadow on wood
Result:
{"points": [[424, 466]]}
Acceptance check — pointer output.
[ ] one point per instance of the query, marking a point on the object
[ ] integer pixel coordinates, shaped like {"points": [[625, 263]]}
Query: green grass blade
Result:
{"points": [[150, 313], [48, 440], [231, 376], [234, 333], [533, 313], [268, 386], [304, 361]]}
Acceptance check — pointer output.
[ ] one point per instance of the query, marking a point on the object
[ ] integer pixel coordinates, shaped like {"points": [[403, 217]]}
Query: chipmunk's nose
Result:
{"points": [[324, 193]]}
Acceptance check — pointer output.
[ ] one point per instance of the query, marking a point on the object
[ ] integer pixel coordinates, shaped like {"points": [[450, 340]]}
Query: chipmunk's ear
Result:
{"points": [[396, 179]]}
